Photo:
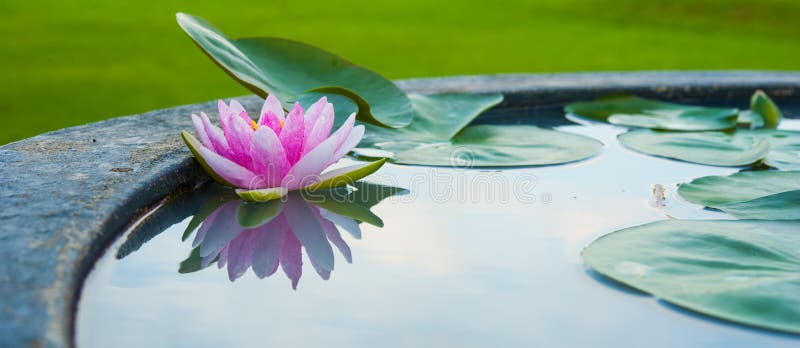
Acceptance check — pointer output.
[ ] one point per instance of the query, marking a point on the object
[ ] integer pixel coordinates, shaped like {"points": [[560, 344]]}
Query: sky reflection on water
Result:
{"points": [[453, 265]]}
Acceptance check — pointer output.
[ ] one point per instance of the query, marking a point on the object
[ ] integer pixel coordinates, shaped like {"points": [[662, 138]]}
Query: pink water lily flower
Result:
{"points": [[280, 152]]}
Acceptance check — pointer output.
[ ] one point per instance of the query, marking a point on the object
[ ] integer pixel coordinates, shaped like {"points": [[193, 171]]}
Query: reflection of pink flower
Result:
{"points": [[279, 151], [277, 241]]}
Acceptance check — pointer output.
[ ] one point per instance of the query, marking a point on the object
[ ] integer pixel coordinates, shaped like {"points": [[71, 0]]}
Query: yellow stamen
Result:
{"points": [[254, 124], [281, 123]]}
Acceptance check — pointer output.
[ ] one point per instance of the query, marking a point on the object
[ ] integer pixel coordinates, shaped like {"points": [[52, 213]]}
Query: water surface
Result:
{"points": [[468, 258]]}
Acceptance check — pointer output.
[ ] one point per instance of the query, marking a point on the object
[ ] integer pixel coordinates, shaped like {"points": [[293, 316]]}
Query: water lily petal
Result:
{"points": [[269, 157], [292, 134], [349, 143], [215, 136], [237, 109], [334, 237], [269, 119], [221, 230], [291, 257], [344, 130], [240, 138], [268, 248], [308, 169], [309, 232], [312, 114], [322, 129], [240, 253], [271, 105], [223, 170], [201, 131], [348, 224], [223, 108]]}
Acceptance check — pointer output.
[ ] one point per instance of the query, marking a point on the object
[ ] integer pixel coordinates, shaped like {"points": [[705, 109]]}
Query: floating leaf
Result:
{"points": [[743, 271], [778, 206], [630, 110], [290, 69], [713, 191], [438, 136], [784, 147], [762, 104], [489, 146], [713, 148]]}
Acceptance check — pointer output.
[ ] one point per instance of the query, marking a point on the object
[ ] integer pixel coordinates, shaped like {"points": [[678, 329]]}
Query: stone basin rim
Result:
{"points": [[99, 178]]}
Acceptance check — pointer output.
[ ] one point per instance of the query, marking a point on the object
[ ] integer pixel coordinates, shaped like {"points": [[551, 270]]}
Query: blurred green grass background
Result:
{"points": [[71, 62]]}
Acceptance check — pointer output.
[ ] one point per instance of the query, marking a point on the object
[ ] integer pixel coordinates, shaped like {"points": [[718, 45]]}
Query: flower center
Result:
{"points": [[254, 125]]}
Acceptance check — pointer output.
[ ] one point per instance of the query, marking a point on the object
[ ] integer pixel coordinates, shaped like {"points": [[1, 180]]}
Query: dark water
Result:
{"points": [[467, 258]]}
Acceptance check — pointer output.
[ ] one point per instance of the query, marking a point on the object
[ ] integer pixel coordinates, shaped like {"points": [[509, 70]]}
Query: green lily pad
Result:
{"points": [[777, 206], [742, 271], [712, 148], [490, 146], [438, 137], [290, 69], [761, 103], [630, 110], [784, 147], [714, 191]]}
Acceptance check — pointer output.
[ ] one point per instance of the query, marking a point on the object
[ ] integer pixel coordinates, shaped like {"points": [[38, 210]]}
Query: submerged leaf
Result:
{"points": [[713, 148], [630, 110], [742, 271], [290, 69]]}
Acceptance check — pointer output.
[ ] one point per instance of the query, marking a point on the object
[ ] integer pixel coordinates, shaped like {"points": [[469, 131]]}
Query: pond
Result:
{"points": [[464, 257]]}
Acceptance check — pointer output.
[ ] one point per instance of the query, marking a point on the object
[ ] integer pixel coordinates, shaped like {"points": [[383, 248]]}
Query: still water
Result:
{"points": [[464, 257]]}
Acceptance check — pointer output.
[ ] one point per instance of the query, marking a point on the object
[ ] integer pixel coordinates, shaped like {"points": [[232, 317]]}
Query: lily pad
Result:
{"points": [[290, 69], [490, 146], [777, 148], [438, 137], [714, 191], [630, 110], [784, 147], [777, 206], [712, 148], [741, 271]]}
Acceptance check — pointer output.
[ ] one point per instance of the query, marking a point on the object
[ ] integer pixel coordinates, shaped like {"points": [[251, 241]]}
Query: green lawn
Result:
{"points": [[70, 62]]}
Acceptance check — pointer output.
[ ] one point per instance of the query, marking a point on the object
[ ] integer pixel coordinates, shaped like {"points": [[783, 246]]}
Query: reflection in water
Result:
{"points": [[264, 236]]}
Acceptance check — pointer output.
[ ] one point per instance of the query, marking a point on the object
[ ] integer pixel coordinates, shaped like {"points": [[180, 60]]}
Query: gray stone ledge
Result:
{"points": [[66, 194]]}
